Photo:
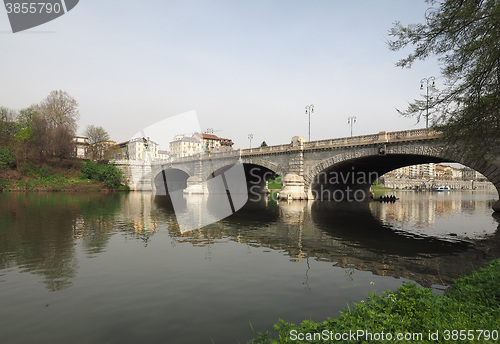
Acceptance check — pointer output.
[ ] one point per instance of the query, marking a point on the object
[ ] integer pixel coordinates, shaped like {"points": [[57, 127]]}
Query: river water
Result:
{"points": [[115, 268]]}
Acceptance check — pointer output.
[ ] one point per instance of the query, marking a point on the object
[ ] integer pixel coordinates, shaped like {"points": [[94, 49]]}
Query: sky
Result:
{"points": [[244, 67]]}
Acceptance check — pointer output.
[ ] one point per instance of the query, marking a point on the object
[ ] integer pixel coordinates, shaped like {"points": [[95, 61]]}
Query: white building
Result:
{"points": [[81, 146], [139, 149], [185, 146]]}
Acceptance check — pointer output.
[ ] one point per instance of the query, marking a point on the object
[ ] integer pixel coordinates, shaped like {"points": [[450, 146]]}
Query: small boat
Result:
{"points": [[386, 199], [442, 188]]}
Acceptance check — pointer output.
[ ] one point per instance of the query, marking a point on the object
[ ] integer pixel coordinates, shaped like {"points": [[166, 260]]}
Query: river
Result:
{"points": [[115, 268]]}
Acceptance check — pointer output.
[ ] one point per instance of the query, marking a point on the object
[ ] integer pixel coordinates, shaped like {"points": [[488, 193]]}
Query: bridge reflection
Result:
{"points": [[351, 235]]}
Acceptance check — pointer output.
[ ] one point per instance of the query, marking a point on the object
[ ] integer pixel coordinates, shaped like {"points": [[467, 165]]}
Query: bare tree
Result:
{"points": [[7, 127], [98, 142], [56, 124], [60, 109]]}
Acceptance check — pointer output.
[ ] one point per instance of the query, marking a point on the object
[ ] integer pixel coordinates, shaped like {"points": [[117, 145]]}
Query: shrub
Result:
{"points": [[90, 170], [472, 303], [4, 184], [109, 174], [29, 169]]}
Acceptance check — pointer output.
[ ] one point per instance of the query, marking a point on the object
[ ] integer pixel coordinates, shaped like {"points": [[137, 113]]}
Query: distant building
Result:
{"points": [[163, 155], [197, 143], [104, 150], [210, 142], [427, 171], [470, 174], [138, 149], [215, 144], [226, 145], [185, 146], [81, 146]]}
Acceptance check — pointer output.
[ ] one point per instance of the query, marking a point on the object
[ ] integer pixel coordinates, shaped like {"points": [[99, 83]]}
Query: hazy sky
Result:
{"points": [[243, 66]]}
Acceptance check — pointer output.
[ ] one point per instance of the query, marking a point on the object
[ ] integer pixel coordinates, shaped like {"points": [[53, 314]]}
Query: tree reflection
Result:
{"points": [[39, 231]]}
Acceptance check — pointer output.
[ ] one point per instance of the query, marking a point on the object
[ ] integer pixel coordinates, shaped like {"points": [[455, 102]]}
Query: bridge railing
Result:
{"points": [[338, 142]]}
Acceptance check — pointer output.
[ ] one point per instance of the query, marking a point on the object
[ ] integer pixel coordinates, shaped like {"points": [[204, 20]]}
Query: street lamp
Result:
{"points": [[351, 120], [427, 81], [309, 111], [250, 137]]}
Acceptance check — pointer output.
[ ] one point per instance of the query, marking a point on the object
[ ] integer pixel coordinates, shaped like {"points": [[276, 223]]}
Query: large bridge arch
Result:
{"points": [[372, 162]]}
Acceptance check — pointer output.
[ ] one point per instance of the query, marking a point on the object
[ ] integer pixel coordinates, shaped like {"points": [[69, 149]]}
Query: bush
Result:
{"points": [[472, 303], [90, 170], [4, 184], [109, 174], [7, 158], [29, 169]]}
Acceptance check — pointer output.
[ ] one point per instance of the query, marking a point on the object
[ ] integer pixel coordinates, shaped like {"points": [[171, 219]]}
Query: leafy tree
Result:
{"points": [[24, 131], [263, 144], [465, 36]]}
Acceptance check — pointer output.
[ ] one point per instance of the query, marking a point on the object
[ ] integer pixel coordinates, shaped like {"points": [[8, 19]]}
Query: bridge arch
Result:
{"points": [[370, 163], [274, 167], [170, 180], [257, 172]]}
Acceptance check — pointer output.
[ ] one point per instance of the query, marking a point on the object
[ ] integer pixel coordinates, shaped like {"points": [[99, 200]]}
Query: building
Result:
{"points": [[210, 142], [470, 174], [226, 145], [104, 150], [444, 172], [138, 149], [197, 143], [427, 171], [81, 147], [163, 155], [185, 146]]}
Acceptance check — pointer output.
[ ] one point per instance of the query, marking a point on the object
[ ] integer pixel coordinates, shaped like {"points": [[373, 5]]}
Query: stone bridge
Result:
{"points": [[339, 169]]}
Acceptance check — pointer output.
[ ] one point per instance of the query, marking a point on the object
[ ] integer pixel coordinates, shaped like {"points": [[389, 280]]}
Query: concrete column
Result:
{"points": [[196, 184], [293, 182]]}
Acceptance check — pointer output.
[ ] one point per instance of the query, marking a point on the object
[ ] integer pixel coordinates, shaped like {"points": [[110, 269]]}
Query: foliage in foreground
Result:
{"points": [[472, 303], [464, 36]]}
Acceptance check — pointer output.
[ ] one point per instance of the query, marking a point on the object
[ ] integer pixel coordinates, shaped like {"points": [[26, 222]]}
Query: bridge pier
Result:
{"points": [[293, 182], [195, 186], [293, 188]]}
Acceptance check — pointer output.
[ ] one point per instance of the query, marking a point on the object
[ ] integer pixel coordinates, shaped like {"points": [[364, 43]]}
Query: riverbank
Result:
{"points": [[55, 175], [468, 311]]}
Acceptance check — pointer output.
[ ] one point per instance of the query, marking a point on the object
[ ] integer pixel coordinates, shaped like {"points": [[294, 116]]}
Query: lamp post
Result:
{"points": [[351, 120], [250, 137], [309, 111], [427, 82]]}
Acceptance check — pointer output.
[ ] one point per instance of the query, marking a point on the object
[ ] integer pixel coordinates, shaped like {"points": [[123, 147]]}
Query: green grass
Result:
{"points": [[274, 183], [471, 304]]}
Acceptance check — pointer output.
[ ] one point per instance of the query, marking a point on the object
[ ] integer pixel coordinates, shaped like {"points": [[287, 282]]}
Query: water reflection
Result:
{"points": [[430, 239], [385, 239], [38, 232]]}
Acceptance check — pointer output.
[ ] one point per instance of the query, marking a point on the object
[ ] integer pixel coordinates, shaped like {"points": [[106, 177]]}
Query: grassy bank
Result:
{"points": [[61, 175], [469, 311]]}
